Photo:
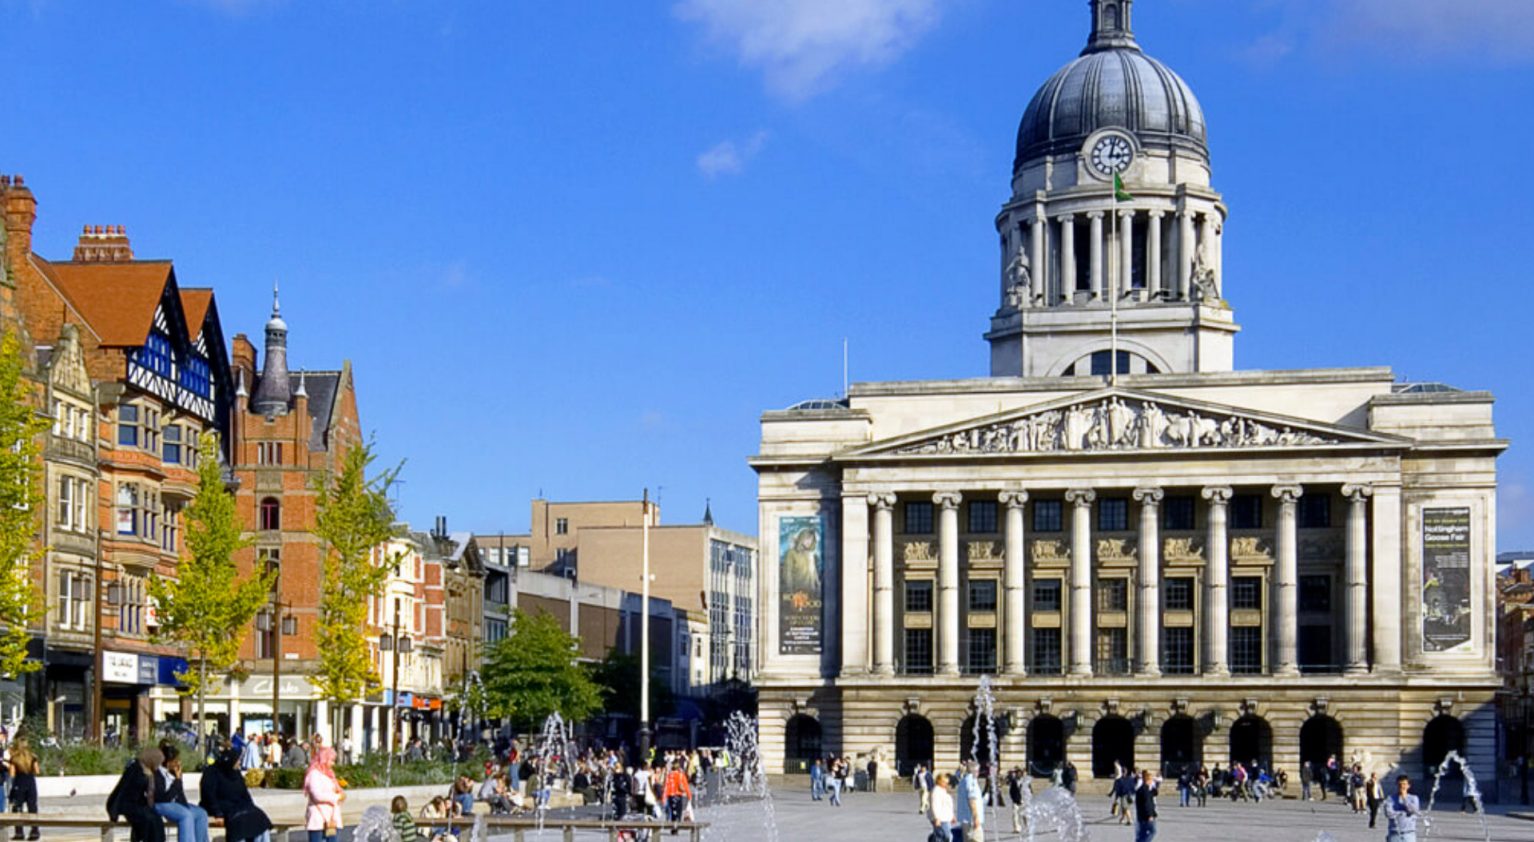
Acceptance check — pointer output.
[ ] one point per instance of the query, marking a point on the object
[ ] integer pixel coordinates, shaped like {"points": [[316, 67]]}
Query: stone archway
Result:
{"points": [[1046, 744], [913, 743], [1442, 735], [980, 748], [1113, 742], [1181, 745], [1320, 740], [1251, 738], [801, 742]]}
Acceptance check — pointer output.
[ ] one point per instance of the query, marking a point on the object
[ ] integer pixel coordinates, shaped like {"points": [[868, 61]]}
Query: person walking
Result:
{"points": [[1145, 807], [1020, 791], [970, 809], [677, 792], [323, 797], [817, 780], [942, 812], [24, 770], [837, 779], [1304, 781], [921, 781], [1374, 795], [1401, 812]]}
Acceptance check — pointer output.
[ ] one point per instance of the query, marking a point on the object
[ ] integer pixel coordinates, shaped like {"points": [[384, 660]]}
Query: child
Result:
{"points": [[404, 825]]}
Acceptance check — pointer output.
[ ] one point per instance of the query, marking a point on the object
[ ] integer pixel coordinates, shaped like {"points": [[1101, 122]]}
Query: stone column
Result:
{"points": [[1013, 582], [1036, 256], [1216, 581], [1386, 562], [1126, 265], [356, 731], [848, 595], [1148, 606], [1286, 600], [1067, 257], [1184, 254], [884, 583], [948, 581], [1153, 254], [1081, 579], [1357, 578], [1096, 252]]}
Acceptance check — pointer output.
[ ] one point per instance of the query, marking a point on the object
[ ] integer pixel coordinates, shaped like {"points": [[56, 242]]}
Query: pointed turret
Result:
{"points": [[708, 511], [273, 391]]}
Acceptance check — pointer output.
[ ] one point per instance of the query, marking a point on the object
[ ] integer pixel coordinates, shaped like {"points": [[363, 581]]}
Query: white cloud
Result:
{"points": [[728, 157], [1500, 28], [802, 45]]}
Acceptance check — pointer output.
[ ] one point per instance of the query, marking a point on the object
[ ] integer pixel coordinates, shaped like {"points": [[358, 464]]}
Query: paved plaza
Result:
{"points": [[890, 817]]}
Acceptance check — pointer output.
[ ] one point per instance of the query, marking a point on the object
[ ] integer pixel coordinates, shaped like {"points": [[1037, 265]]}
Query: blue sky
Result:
{"points": [[577, 248]]}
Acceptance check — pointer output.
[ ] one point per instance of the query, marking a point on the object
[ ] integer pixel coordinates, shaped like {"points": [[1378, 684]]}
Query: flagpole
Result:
{"points": [[1113, 284]]}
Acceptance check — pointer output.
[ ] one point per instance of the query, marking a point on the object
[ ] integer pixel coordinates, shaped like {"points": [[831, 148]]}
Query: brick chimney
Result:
{"points": [[20, 212], [103, 244]]}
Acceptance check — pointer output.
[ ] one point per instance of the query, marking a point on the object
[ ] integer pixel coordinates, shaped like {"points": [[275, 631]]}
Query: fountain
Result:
{"points": [[1056, 809], [744, 783], [985, 709], [1472, 792], [376, 825], [555, 759]]}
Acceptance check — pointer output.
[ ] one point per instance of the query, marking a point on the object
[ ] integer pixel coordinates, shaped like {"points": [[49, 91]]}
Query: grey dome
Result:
{"points": [[1111, 85]]}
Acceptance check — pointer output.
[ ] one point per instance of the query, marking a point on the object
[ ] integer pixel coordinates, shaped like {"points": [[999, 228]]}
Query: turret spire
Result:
{"points": [[274, 391], [1111, 28]]}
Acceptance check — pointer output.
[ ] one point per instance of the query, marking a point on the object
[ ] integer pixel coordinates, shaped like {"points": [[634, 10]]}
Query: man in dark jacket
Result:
{"points": [[1145, 807], [226, 797], [133, 797]]}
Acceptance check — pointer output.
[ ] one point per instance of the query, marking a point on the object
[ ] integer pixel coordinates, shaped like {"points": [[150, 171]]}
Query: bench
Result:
{"points": [[108, 828], [519, 826]]}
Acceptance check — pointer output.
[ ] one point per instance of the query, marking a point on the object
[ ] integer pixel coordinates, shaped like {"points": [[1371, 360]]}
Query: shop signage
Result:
{"points": [[119, 667]]}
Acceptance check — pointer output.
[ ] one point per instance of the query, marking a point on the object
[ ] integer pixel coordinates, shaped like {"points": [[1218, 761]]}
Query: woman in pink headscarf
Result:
{"points": [[322, 818]]}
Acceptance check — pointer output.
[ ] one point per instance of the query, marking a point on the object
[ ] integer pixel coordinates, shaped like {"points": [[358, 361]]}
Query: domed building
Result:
{"points": [[1148, 557]]}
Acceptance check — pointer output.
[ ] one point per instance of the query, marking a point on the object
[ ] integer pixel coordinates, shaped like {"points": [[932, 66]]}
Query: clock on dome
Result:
{"points": [[1111, 154]]}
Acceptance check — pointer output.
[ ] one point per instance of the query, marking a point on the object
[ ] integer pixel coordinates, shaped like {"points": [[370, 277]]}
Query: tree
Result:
{"points": [[354, 520], [533, 672], [618, 677], [206, 607], [20, 498]]}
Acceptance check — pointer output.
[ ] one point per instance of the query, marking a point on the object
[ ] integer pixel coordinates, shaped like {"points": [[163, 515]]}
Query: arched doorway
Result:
{"points": [[1181, 746], [1441, 736], [1251, 738], [1321, 739], [1046, 744], [979, 749], [801, 742], [913, 743], [1113, 742]]}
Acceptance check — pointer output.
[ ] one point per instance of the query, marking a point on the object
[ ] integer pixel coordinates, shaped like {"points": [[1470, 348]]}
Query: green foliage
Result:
{"points": [[208, 607], [354, 517], [81, 759], [533, 672], [20, 497], [618, 676]]}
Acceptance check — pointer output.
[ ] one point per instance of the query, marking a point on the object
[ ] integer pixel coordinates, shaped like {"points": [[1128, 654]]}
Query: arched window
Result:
{"points": [[271, 513]]}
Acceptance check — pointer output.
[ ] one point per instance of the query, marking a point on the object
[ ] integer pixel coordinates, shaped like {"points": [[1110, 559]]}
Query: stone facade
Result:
{"points": [[1160, 560]]}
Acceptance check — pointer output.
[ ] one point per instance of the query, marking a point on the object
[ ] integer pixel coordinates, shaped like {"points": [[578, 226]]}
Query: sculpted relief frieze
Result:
{"points": [[1183, 549], [1116, 423], [1050, 549], [984, 551], [1250, 547], [1117, 549], [918, 551]]}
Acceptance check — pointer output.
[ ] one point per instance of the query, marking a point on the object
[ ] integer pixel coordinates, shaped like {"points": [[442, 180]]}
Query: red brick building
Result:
{"points": [[135, 370]]}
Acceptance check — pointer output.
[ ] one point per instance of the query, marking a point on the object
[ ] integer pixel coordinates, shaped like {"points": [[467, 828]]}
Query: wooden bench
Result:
{"points": [[108, 828], [519, 826]]}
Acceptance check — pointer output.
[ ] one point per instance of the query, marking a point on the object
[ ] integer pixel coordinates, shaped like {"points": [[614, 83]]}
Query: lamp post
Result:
{"points": [[1528, 722], [644, 630], [394, 645]]}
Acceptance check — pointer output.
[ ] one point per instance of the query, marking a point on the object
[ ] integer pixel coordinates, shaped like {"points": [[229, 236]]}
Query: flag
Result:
{"points": [[1119, 193]]}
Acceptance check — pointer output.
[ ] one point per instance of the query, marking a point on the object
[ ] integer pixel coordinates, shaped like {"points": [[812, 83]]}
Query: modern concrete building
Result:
{"points": [[697, 567], [1158, 558]]}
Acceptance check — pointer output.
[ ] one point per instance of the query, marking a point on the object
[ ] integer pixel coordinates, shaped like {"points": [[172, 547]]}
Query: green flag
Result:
{"points": [[1119, 193]]}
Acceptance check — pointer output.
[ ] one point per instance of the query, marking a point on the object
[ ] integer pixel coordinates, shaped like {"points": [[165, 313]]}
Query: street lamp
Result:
{"points": [[1528, 743], [644, 632]]}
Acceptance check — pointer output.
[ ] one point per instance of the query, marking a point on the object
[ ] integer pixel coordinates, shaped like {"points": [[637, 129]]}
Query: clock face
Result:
{"points": [[1112, 154]]}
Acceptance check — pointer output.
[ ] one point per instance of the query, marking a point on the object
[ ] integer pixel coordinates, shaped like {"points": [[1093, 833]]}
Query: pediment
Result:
{"points": [[1119, 420]]}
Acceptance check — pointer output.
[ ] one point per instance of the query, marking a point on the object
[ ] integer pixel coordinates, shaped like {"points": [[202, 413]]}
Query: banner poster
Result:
{"points": [[1446, 608], [801, 584]]}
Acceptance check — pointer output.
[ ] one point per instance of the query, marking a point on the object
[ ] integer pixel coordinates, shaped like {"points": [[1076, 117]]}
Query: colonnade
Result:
{"points": [[1190, 228], [1145, 659]]}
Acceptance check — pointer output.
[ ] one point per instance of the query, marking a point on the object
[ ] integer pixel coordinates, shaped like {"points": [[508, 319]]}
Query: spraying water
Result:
{"points": [[1472, 793], [744, 784], [375, 826], [1056, 809], [985, 728], [555, 761]]}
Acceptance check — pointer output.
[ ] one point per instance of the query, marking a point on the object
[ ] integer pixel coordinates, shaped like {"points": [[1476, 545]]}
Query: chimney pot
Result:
{"points": [[19, 181]]}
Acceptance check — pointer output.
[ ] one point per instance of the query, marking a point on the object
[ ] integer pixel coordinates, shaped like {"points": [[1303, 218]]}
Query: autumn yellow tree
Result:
{"points": [[354, 522], [20, 497]]}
